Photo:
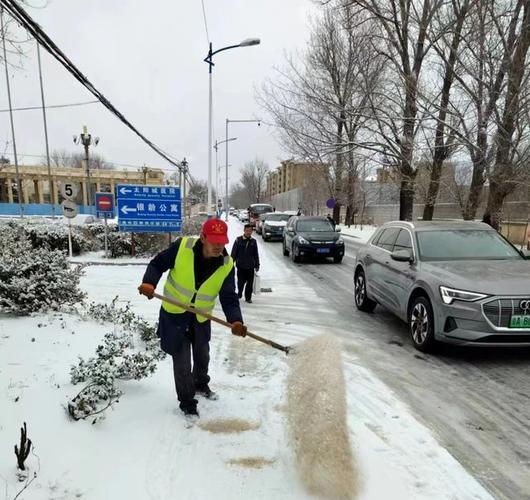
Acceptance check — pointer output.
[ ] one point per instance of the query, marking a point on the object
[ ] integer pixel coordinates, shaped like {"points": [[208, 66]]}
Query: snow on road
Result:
{"points": [[143, 450]]}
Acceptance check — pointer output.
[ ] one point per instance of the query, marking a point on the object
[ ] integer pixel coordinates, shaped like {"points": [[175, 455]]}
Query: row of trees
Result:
{"points": [[400, 83]]}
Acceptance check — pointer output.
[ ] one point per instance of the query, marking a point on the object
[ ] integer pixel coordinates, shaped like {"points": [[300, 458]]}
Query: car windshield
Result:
{"points": [[468, 244], [260, 209], [315, 225], [277, 217]]}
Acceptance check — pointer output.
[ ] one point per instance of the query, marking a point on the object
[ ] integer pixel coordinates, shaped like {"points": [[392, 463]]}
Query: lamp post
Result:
{"points": [[217, 168], [19, 182], [86, 140], [208, 59], [226, 162]]}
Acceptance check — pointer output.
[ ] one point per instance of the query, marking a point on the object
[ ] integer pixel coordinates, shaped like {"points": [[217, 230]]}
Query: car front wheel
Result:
{"points": [[294, 254], [285, 251], [362, 302], [421, 324]]}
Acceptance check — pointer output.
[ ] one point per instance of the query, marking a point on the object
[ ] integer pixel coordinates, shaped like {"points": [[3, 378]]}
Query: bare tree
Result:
{"points": [[319, 103], [253, 176], [62, 158], [503, 178], [407, 32], [456, 16]]}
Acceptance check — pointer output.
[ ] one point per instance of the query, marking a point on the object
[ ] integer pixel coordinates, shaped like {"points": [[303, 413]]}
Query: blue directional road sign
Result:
{"points": [[148, 209]]}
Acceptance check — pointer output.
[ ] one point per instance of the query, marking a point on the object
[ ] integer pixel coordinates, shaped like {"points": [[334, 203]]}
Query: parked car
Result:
{"points": [[256, 210], [259, 222], [271, 225], [457, 282], [242, 215], [312, 237]]}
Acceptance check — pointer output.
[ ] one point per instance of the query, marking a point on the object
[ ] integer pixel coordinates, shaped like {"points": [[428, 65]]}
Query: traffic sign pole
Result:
{"points": [[70, 236], [106, 239]]}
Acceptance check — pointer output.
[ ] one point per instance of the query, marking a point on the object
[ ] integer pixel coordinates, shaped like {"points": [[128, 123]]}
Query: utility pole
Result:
{"points": [[86, 140], [19, 183], [50, 180], [184, 165], [145, 169]]}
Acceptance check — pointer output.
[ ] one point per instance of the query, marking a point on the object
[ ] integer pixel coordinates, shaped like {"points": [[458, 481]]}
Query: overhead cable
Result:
{"points": [[23, 18]]}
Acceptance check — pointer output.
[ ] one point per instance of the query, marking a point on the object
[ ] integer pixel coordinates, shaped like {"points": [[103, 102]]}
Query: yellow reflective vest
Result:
{"points": [[180, 283]]}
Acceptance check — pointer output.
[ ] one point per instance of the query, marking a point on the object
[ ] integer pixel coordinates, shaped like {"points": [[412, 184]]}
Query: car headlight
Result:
{"points": [[450, 294], [302, 240], [340, 241]]}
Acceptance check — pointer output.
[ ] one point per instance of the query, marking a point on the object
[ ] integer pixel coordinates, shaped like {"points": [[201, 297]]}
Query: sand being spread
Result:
{"points": [[251, 462], [317, 419], [228, 426]]}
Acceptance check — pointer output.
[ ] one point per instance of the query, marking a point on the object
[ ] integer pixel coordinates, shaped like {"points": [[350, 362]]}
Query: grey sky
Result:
{"points": [[147, 59]]}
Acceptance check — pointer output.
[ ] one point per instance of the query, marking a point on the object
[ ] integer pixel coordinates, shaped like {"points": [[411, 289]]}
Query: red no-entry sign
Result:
{"points": [[105, 204]]}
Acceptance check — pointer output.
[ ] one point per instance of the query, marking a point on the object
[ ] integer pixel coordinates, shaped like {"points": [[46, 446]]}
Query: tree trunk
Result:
{"points": [[406, 198], [475, 190], [434, 188], [493, 213]]}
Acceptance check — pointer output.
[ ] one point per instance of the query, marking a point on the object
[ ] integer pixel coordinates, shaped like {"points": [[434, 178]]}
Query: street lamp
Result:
{"points": [[248, 42], [226, 162], [216, 147], [86, 140]]}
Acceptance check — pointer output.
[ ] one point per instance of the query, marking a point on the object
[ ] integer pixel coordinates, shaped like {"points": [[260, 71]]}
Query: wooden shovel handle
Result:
{"points": [[215, 319]]}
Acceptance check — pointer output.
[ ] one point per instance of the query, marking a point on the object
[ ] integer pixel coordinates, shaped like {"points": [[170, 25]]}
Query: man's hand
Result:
{"points": [[239, 329], [147, 289], [256, 269]]}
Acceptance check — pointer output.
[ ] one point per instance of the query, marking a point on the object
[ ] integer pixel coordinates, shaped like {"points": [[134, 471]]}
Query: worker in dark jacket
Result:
{"points": [[199, 270], [246, 259]]}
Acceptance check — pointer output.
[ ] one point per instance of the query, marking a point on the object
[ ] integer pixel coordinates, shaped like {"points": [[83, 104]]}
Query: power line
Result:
{"points": [[53, 106], [22, 17]]}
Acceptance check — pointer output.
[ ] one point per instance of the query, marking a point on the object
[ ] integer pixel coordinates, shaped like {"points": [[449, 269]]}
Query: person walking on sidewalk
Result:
{"points": [[200, 269], [246, 259]]}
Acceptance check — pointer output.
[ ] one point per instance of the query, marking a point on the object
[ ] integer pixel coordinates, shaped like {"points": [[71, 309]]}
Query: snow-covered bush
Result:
{"points": [[34, 279], [116, 358], [55, 237]]}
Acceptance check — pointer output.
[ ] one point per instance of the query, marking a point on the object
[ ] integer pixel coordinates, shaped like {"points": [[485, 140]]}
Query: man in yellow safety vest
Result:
{"points": [[200, 269]]}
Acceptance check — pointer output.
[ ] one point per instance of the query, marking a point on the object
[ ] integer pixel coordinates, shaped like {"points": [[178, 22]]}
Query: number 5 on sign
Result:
{"points": [[69, 190]]}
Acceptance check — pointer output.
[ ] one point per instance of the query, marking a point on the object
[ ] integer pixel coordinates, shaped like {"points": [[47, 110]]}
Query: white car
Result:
{"points": [[273, 224], [242, 215]]}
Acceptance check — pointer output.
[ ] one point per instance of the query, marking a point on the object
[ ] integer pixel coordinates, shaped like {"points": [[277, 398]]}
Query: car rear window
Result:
{"points": [[468, 244], [277, 217], [314, 225]]}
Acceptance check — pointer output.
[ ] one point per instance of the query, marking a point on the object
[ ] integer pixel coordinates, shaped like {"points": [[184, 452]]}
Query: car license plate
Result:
{"points": [[322, 250], [519, 321]]}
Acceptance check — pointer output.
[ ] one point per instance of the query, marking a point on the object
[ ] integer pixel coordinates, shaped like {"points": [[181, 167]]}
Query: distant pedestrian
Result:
{"points": [[299, 212], [246, 259]]}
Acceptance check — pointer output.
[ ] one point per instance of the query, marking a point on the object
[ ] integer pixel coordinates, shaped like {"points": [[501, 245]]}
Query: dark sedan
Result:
{"points": [[457, 282], [312, 237]]}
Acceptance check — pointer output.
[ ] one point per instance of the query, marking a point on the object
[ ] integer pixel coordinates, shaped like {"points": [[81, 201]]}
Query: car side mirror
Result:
{"points": [[337, 229], [402, 256]]}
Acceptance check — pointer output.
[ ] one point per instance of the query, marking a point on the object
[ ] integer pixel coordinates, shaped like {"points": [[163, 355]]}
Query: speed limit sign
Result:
{"points": [[69, 190]]}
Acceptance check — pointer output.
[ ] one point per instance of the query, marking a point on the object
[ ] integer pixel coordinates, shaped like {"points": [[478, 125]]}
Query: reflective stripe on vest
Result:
{"points": [[180, 283]]}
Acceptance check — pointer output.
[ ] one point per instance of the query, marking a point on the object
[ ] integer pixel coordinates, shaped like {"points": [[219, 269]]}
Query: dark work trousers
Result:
{"points": [[245, 279], [186, 378]]}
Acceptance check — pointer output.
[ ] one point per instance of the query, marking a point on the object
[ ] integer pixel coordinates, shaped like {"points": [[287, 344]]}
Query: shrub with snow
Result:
{"points": [[55, 237], [116, 358], [34, 279]]}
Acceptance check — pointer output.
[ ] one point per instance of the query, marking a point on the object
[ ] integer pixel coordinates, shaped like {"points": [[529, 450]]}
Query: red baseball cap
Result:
{"points": [[215, 231]]}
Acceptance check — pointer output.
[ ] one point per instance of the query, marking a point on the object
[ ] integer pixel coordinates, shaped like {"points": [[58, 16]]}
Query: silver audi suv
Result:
{"points": [[458, 282]]}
